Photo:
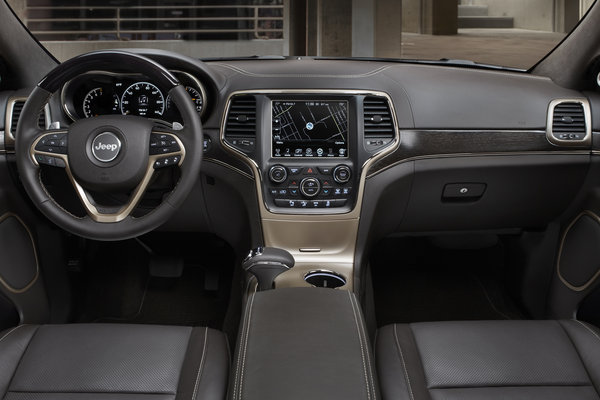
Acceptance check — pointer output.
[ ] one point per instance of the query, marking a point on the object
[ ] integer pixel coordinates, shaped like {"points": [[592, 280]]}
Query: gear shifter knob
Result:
{"points": [[266, 263]]}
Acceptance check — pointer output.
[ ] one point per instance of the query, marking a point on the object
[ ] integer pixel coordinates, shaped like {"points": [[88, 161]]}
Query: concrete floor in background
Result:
{"points": [[517, 48]]}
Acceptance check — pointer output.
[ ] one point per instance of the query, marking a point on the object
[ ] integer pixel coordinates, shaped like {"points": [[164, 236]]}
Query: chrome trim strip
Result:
{"points": [[587, 112], [593, 279]]}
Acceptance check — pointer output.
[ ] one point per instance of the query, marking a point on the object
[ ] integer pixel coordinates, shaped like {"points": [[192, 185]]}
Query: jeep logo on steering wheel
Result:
{"points": [[106, 147]]}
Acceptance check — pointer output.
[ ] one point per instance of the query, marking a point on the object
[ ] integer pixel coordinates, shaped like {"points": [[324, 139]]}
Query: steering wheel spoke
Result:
{"points": [[99, 213]]}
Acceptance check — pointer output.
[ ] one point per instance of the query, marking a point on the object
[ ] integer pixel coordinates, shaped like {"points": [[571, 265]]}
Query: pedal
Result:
{"points": [[166, 267]]}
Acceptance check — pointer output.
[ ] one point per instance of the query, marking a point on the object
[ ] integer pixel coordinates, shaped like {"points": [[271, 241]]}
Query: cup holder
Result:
{"points": [[325, 279]]}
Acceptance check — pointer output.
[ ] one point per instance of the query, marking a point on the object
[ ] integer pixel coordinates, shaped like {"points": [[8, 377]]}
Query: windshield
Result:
{"points": [[509, 33]]}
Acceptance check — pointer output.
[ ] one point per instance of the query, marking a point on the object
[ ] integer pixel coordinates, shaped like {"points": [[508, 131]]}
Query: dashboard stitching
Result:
{"points": [[253, 74]]}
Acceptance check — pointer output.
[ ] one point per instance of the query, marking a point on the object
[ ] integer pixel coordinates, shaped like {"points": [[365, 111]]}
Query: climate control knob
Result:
{"points": [[341, 174], [310, 187], [277, 174]]}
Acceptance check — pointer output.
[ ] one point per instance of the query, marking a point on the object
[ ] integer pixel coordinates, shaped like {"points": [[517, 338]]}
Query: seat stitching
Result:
{"points": [[246, 346], [412, 396], [587, 328], [362, 326], [239, 358], [22, 355], [201, 366], [362, 353], [10, 332]]}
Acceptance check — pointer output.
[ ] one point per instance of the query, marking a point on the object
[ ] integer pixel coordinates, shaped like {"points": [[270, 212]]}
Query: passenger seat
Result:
{"points": [[112, 362], [493, 360]]}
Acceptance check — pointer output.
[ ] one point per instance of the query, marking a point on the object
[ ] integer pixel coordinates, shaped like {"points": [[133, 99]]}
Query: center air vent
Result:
{"points": [[240, 127], [14, 109], [569, 123], [378, 124]]}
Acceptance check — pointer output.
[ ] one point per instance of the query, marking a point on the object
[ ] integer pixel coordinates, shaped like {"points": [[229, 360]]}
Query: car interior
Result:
{"points": [[298, 227]]}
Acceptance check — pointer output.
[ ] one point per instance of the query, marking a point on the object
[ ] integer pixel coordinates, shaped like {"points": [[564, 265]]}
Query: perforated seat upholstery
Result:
{"points": [[489, 360], [106, 362]]}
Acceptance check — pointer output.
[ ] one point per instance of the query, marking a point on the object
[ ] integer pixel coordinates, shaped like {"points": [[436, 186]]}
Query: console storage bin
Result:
{"points": [[303, 343]]}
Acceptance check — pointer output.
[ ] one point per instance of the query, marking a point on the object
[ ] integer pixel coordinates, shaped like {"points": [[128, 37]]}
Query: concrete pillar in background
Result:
{"points": [[439, 17], [388, 28], [335, 25], [345, 28], [376, 28]]}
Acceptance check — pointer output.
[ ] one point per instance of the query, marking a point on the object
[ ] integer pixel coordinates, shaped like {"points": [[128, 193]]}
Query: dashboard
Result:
{"points": [[104, 93]]}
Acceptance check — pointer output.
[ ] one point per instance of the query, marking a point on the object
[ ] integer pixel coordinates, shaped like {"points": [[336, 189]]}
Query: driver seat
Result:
{"points": [[112, 362]]}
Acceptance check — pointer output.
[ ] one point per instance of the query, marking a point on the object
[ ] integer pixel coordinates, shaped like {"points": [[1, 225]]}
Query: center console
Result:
{"points": [[309, 150], [303, 343]]}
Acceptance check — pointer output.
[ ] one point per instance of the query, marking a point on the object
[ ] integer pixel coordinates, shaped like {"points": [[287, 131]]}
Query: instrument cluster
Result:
{"points": [[102, 93]]}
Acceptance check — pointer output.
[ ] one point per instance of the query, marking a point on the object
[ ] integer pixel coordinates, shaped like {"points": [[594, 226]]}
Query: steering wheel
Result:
{"points": [[109, 154]]}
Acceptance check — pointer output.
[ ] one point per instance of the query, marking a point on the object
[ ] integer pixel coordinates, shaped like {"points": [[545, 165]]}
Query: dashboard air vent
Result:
{"points": [[568, 122], [378, 124], [240, 127], [15, 113]]}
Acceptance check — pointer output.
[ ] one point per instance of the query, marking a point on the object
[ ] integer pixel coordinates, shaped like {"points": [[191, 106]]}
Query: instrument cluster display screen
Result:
{"points": [[310, 128]]}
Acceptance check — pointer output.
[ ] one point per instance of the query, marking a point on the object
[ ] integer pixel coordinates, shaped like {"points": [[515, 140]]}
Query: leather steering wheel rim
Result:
{"points": [[28, 134]]}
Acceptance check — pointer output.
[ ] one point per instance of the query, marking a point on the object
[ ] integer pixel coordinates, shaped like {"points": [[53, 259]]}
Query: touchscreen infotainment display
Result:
{"points": [[310, 128]]}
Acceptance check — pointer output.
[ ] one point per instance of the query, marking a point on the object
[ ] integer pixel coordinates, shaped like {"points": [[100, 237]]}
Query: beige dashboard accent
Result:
{"points": [[586, 285], [137, 194], [334, 234], [37, 263]]}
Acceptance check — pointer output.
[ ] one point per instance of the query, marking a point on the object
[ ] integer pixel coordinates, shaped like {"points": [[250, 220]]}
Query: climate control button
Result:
{"points": [[277, 174], [310, 187]]}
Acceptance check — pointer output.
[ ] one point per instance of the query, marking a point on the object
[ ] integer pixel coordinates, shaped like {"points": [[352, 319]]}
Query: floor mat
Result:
{"points": [[123, 291], [415, 281]]}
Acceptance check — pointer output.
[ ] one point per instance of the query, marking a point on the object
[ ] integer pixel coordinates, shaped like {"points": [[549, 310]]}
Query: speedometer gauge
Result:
{"points": [[143, 99], [98, 102]]}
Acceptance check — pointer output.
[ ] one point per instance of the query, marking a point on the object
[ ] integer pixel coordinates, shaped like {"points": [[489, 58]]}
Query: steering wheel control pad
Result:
{"points": [[109, 152]]}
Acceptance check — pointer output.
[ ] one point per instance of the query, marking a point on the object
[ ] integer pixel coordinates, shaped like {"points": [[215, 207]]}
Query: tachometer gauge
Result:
{"points": [[98, 102], [194, 94], [143, 99]]}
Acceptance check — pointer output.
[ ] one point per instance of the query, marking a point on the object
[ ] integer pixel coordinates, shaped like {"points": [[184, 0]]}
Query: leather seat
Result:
{"points": [[489, 360], [112, 362]]}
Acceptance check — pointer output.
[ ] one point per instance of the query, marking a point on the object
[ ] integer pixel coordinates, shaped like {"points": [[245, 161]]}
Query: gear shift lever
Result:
{"points": [[266, 263]]}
